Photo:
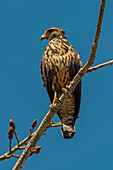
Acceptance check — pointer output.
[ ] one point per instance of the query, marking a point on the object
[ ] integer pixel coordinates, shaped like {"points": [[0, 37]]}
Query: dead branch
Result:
{"points": [[55, 124], [14, 149], [99, 66], [8, 154], [46, 121], [15, 156], [16, 137]]}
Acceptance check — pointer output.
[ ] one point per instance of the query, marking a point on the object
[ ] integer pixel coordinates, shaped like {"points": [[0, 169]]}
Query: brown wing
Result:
{"points": [[73, 69], [77, 91], [46, 76]]}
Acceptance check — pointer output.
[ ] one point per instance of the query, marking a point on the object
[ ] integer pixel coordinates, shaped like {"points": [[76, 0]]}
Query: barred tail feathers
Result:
{"points": [[67, 116], [68, 131]]}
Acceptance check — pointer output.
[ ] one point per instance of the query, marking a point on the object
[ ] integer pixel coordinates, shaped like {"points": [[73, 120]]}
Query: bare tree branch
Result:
{"points": [[15, 148], [15, 156], [46, 121], [99, 66], [8, 154], [16, 137], [55, 124]]}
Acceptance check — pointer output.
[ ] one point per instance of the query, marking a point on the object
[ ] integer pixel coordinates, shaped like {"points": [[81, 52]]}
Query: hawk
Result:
{"points": [[58, 67]]}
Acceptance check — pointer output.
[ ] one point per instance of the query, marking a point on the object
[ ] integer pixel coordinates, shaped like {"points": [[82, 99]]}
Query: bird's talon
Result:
{"points": [[56, 100], [67, 86], [63, 89], [52, 106]]}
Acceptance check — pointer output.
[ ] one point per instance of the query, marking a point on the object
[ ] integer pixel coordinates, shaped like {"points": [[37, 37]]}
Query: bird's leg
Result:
{"points": [[54, 100]]}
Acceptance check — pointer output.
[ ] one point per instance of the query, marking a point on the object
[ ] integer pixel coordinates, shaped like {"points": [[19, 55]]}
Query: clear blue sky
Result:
{"points": [[23, 98]]}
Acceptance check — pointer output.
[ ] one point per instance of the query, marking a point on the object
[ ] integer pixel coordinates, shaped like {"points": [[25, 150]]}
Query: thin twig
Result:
{"points": [[16, 137], [20, 148], [23, 142], [55, 124], [46, 121], [7, 156], [31, 131], [9, 146], [14, 149], [15, 156], [100, 66]]}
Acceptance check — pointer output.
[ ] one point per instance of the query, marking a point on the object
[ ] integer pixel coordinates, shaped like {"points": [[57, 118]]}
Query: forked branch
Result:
{"points": [[46, 121]]}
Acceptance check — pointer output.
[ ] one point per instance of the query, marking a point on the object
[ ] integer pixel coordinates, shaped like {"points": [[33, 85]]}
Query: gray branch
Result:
{"points": [[99, 66]]}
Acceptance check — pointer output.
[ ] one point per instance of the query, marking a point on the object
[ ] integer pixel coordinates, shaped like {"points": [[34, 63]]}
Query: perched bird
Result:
{"points": [[58, 67]]}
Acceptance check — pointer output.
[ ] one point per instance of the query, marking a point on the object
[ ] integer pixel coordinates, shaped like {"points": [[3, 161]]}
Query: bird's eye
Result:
{"points": [[54, 35]]}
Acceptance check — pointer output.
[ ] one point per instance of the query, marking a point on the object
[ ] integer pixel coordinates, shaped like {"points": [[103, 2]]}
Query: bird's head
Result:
{"points": [[53, 32]]}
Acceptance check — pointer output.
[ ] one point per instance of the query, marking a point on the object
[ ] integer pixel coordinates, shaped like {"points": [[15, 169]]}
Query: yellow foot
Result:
{"points": [[56, 100], [53, 103], [67, 86], [64, 89]]}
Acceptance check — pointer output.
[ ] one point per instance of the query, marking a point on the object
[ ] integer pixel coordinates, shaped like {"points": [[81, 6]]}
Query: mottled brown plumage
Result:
{"points": [[58, 67]]}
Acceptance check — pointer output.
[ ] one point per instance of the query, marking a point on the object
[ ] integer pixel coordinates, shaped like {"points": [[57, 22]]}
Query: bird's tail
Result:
{"points": [[67, 130], [68, 116]]}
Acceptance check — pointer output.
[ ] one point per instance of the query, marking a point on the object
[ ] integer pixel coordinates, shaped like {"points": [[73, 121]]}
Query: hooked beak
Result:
{"points": [[43, 37]]}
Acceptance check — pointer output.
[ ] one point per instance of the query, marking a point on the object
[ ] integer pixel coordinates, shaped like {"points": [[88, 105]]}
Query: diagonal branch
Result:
{"points": [[99, 66], [23, 142], [46, 121]]}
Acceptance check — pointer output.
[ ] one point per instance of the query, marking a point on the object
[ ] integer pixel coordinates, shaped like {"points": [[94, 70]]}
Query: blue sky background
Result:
{"points": [[23, 98]]}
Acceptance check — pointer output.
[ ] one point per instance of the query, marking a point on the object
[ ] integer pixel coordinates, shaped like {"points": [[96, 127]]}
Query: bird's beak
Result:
{"points": [[43, 37]]}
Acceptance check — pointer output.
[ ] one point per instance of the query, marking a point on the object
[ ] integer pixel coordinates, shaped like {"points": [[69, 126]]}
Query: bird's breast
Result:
{"points": [[59, 60], [59, 66], [61, 71]]}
